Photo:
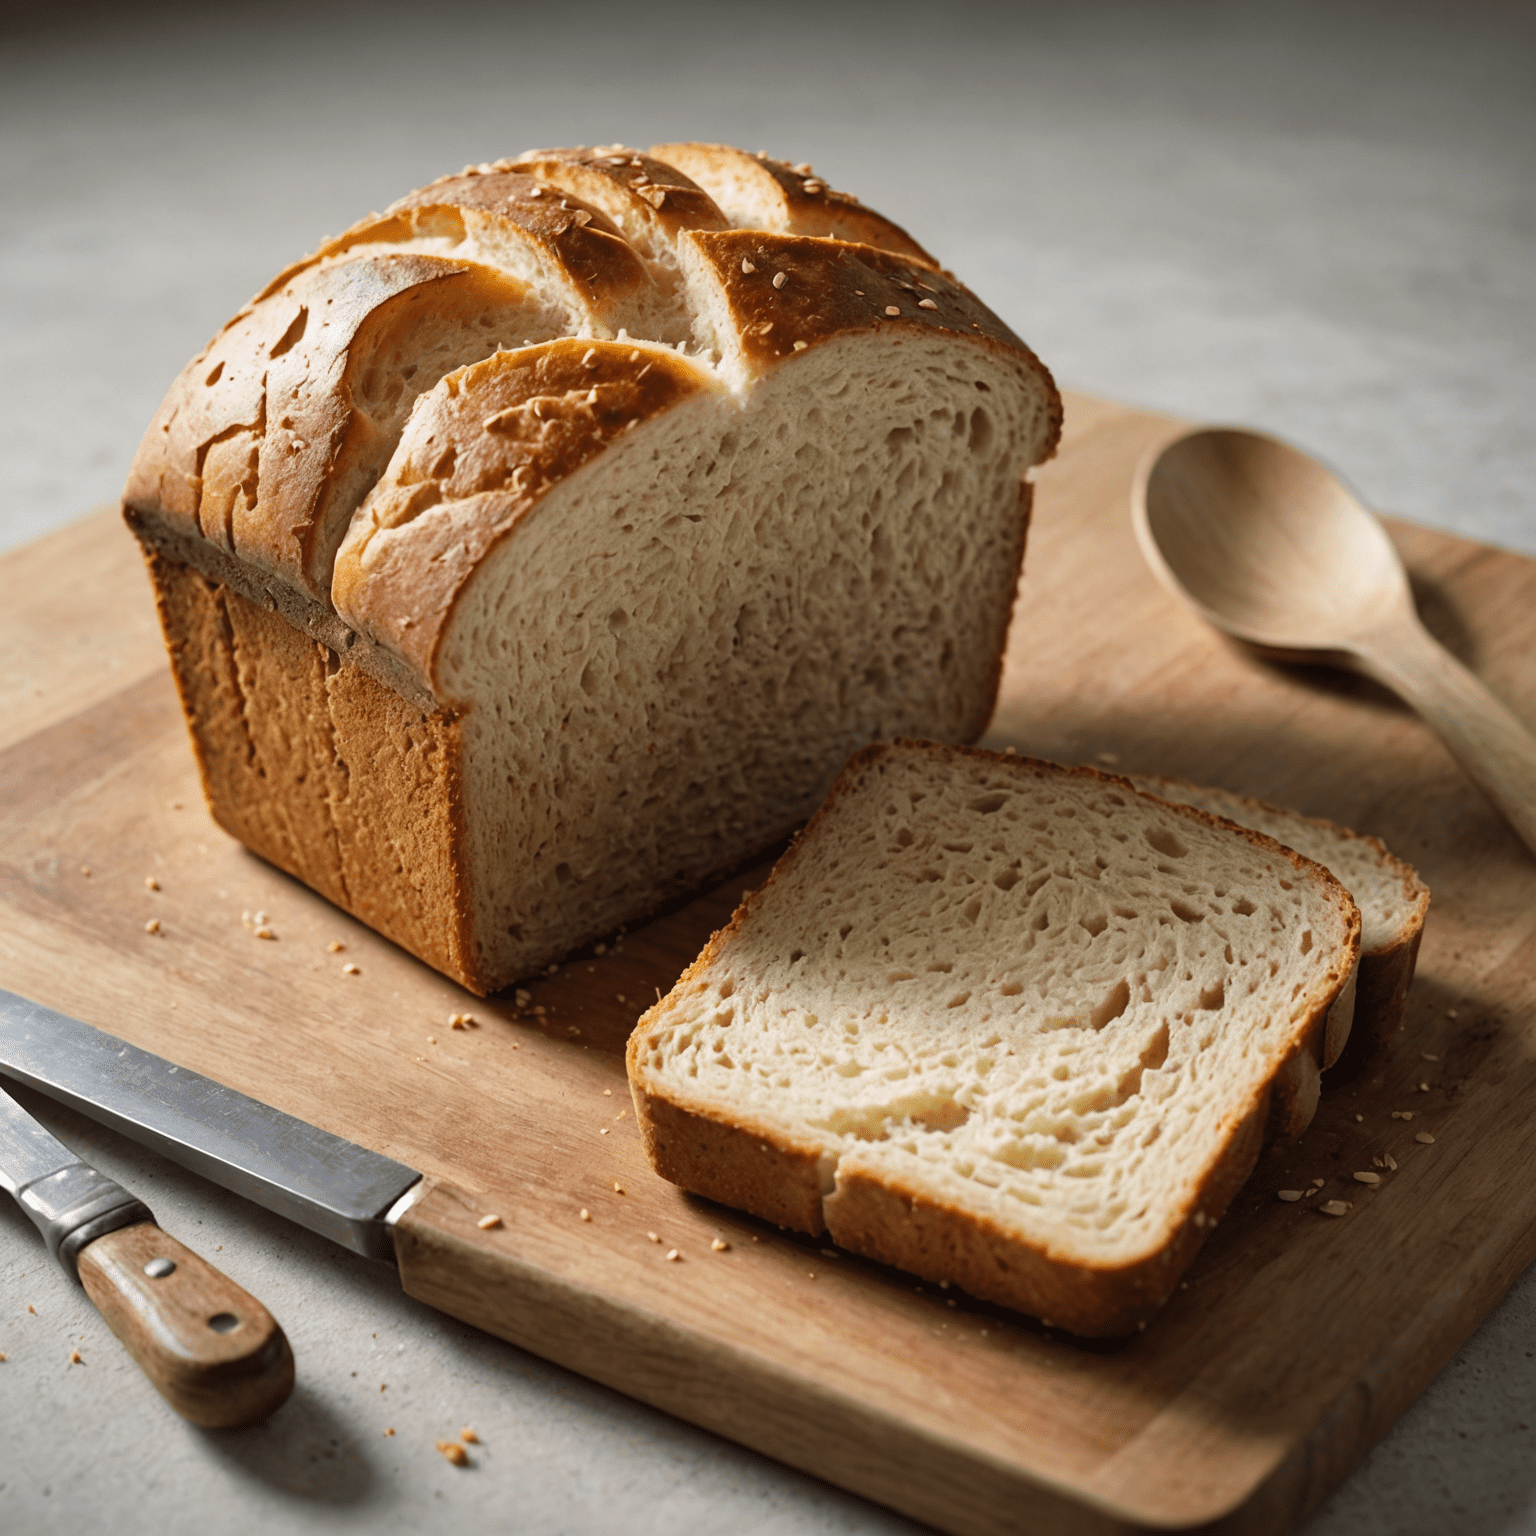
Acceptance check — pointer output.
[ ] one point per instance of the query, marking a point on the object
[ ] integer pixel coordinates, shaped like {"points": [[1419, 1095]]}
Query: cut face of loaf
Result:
{"points": [[539, 548], [1004, 1024], [1393, 901]]}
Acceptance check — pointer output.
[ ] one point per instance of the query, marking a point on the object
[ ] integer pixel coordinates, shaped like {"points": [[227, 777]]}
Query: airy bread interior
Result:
{"points": [[1001, 1023], [1393, 900], [705, 626]]}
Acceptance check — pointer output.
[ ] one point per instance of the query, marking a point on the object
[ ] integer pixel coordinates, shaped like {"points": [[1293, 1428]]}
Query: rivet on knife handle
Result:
{"points": [[213, 1352]]}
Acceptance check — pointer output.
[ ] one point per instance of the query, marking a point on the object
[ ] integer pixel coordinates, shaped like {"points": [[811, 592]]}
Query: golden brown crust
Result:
{"points": [[788, 199], [909, 1228], [321, 769], [574, 242], [259, 443], [784, 289], [751, 1170], [479, 453], [638, 192]]}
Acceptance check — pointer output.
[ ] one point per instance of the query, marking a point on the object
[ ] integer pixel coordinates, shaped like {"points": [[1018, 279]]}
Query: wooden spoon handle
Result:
{"points": [[213, 1352], [1496, 751]]}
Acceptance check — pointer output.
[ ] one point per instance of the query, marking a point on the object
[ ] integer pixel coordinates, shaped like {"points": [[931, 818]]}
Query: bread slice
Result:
{"points": [[1001, 1023], [1393, 900], [540, 548]]}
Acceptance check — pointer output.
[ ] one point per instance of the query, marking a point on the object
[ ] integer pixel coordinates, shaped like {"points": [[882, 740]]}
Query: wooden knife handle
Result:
{"points": [[213, 1352]]}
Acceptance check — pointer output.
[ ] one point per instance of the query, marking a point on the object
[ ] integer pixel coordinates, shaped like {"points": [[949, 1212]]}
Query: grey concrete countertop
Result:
{"points": [[1315, 218]]}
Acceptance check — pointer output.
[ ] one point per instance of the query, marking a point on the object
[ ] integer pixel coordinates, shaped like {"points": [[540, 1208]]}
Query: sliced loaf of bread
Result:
{"points": [[1001, 1023], [540, 548], [1393, 900]]}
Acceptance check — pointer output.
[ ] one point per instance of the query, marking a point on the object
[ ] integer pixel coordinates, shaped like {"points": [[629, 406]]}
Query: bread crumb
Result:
{"points": [[800, 346], [152, 926], [607, 1093], [150, 883], [602, 1130], [621, 1114], [653, 1237], [486, 1223], [586, 1215], [31, 1309], [265, 933], [335, 946], [462, 1021], [1290, 1194], [719, 1245], [468, 1436], [673, 1255], [1334, 1207], [810, 1274], [389, 1431], [74, 1357], [454, 1452], [351, 970], [1425, 1137], [85, 869], [1366, 1177], [618, 1188]]}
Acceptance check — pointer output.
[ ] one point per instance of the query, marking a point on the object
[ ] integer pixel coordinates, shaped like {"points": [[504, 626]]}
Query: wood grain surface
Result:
{"points": [[213, 1352], [1298, 1337]]}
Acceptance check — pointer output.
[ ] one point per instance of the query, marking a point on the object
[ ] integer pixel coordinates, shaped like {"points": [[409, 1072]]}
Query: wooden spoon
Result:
{"points": [[1271, 548]]}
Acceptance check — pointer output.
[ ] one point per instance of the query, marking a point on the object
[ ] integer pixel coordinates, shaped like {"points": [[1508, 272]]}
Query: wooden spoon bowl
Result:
{"points": [[1271, 548]]}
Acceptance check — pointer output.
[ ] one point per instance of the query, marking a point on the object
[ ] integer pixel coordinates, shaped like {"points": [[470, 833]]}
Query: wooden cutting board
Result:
{"points": [[1298, 1337]]}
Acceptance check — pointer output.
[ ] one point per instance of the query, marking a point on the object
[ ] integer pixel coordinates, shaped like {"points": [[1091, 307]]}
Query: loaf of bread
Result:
{"points": [[1003, 1024], [1393, 900], [540, 548]]}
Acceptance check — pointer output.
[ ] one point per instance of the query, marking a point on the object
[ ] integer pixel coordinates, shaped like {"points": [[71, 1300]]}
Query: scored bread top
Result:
{"points": [[478, 453], [268, 444]]}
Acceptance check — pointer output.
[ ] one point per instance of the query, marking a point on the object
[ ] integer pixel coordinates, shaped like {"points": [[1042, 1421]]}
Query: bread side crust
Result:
{"points": [[277, 719], [746, 1166], [891, 1221]]}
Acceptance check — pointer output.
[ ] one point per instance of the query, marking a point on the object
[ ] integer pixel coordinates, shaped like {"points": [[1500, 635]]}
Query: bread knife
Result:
{"points": [[323, 1182]]}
